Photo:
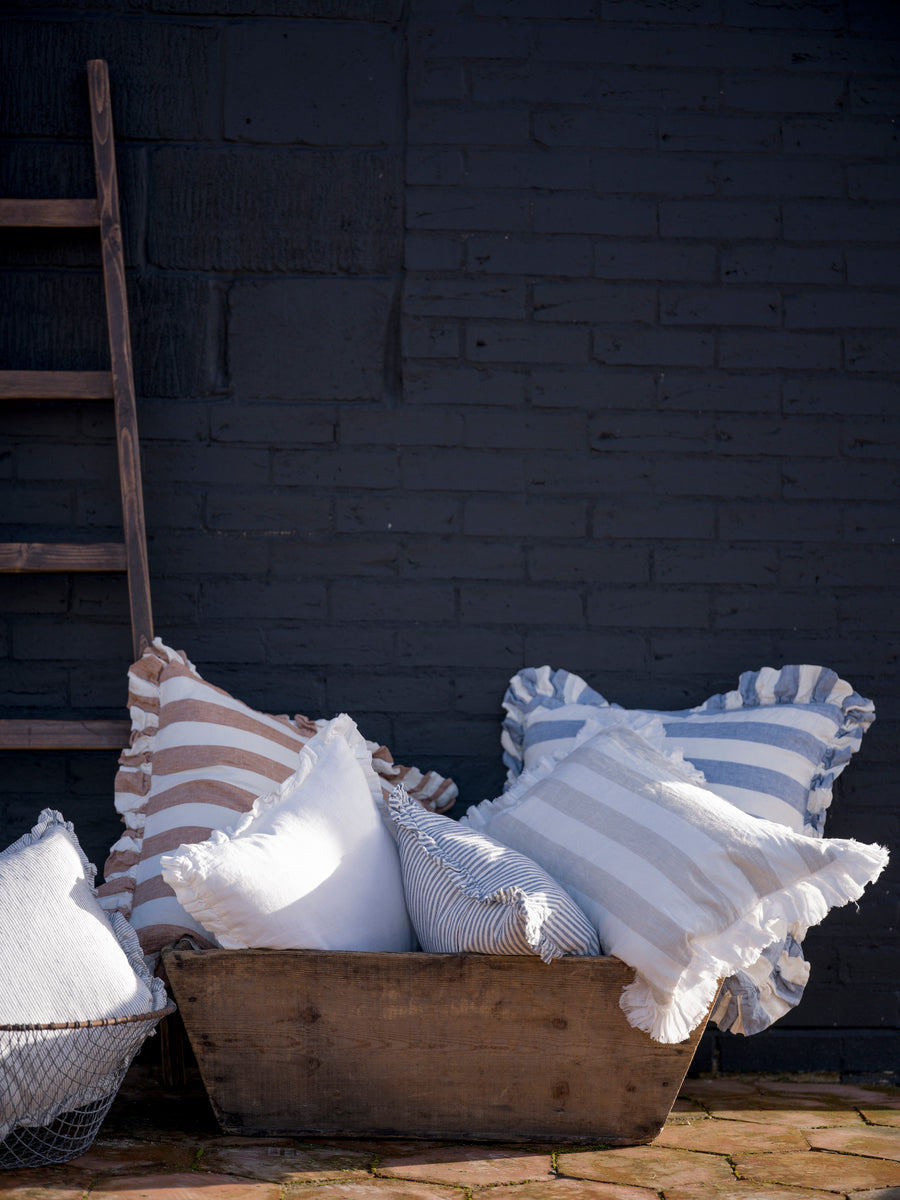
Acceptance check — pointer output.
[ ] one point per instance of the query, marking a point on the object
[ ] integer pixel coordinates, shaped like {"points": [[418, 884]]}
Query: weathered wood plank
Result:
{"points": [[63, 735], [55, 385], [433, 1045], [61, 556], [120, 355], [55, 213]]}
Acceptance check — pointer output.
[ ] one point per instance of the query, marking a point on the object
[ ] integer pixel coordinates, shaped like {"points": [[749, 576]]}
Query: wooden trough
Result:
{"points": [[481, 1047]]}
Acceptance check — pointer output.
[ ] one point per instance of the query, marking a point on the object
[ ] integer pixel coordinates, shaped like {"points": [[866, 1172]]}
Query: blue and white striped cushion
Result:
{"points": [[466, 893], [679, 884], [773, 747]]}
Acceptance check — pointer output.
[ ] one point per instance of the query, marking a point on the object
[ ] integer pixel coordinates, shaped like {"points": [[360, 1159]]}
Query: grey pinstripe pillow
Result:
{"points": [[466, 893]]}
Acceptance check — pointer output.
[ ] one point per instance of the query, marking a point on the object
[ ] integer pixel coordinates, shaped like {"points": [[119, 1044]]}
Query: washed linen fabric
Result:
{"points": [[679, 883]]}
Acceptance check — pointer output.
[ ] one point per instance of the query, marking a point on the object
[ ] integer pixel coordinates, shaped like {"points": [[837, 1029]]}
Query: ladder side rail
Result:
{"points": [[120, 356]]}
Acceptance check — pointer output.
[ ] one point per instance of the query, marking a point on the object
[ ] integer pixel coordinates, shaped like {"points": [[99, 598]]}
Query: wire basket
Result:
{"points": [[58, 1081]]}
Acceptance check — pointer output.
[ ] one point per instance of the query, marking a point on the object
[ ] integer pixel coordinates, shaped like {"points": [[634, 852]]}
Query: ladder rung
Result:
{"points": [[63, 735], [62, 556], [56, 385], [64, 214]]}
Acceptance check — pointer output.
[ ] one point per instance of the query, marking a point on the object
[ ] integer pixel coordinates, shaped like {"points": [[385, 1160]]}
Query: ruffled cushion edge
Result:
{"points": [[534, 914]]}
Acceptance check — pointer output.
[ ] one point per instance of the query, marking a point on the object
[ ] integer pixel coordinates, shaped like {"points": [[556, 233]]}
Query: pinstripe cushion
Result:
{"points": [[197, 761], [679, 883], [467, 893]]}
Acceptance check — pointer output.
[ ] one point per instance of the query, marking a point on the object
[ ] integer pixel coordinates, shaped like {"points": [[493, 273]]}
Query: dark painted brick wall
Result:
{"points": [[474, 334]]}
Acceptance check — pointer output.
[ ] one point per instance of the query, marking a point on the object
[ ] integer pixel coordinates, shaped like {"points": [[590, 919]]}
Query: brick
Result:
{"points": [[524, 605], [51, 314], [460, 470], [861, 439], [360, 692], [873, 181], [175, 323], [587, 563], [592, 127], [34, 593], [843, 394], [296, 600], [724, 436], [615, 259], [512, 341], [781, 264], [366, 10], [320, 644], [464, 208], [602, 42], [785, 177], [593, 388], [61, 641], [468, 559], [431, 125], [340, 556], [488, 647], [779, 348], [463, 35], [855, 480], [355, 66], [158, 419], [434, 252], [532, 82], [875, 352], [429, 166], [464, 297], [575, 213], [870, 96], [683, 655], [798, 14], [407, 426], [274, 510], [144, 57], [810, 567], [224, 553], [594, 301], [645, 518], [685, 475], [310, 339], [783, 94], [840, 222], [795, 522], [719, 306], [531, 518], [841, 309], [685, 12], [584, 651], [433, 602], [636, 607], [771, 610], [218, 463], [533, 8], [431, 338], [872, 523], [436, 81], [337, 467], [464, 385], [512, 255], [673, 175], [665, 347], [562, 430], [314, 211], [271, 424], [719, 218], [410, 513], [855, 138], [717, 133], [536, 167], [871, 266]]}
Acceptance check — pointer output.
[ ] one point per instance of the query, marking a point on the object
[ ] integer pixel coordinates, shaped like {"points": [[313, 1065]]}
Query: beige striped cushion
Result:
{"points": [[198, 759]]}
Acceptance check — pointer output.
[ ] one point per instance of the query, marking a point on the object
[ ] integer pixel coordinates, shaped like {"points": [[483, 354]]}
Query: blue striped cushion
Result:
{"points": [[773, 747], [466, 893]]}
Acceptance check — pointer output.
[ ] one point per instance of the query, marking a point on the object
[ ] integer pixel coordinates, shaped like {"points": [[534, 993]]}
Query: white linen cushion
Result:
{"points": [[679, 883], [62, 958], [467, 893], [311, 866]]}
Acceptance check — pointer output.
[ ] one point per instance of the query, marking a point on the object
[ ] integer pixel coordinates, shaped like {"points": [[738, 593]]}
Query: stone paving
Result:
{"points": [[735, 1138]]}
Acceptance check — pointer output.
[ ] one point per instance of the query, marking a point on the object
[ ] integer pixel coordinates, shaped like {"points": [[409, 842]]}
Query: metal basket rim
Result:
{"points": [[97, 1023]]}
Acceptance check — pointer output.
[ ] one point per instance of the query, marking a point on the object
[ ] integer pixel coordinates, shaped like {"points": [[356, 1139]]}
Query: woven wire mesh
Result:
{"points": [[58, 1081]]}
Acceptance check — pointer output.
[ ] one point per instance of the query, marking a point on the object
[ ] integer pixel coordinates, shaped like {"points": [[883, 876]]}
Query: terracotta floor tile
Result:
{"points": [[778, 1114], [819, 1169], [287, 1164], [188, 1185], [892, 1193], [645, 1166], [470, 1166], [377, 1189], [731, 1137], [840, 1094], [133, 1157], [742, 1189], [881, 1116], [877, 1143], [570, 1189], [44, 1183], [703, 1088]]}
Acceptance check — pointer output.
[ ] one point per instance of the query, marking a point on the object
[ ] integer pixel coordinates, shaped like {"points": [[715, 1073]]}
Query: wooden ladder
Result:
{"points": [[117, 385]]}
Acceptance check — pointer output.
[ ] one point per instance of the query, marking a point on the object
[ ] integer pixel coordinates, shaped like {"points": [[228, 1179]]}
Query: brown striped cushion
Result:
{"points": [[198, 758]]}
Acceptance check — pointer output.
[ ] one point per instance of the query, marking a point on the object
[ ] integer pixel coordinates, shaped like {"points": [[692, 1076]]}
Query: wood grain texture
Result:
{"points": [[120, 356], [63, 735], [55, 385], [432, 1045], [61, 556], [54, 213]]}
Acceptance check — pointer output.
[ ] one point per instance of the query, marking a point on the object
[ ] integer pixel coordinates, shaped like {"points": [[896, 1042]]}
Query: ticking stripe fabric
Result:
{"points": [[679, 883], [466, 893], [197, 761]]}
